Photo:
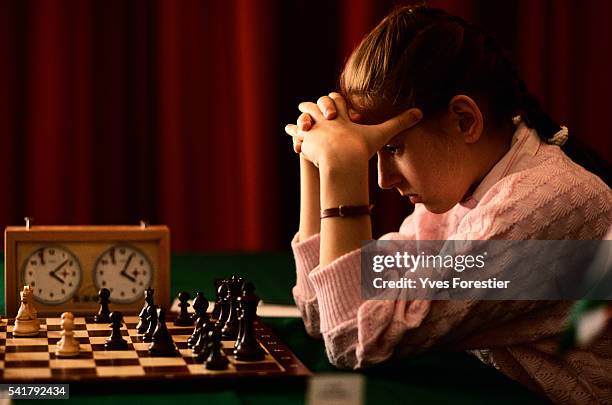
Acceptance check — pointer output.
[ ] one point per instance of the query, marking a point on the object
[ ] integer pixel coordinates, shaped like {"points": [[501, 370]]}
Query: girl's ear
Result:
{"points": [[468, 117]]}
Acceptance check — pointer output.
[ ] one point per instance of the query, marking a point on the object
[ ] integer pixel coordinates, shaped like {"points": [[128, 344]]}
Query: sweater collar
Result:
{"points": [[525, 144]]}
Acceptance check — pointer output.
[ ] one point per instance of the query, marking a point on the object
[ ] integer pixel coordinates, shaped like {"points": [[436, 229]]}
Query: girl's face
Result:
{"points": [[428, 164]]}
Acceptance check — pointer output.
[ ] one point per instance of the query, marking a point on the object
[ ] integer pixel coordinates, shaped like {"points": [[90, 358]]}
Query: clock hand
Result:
{"points": [[53, 274], [124, 271]]}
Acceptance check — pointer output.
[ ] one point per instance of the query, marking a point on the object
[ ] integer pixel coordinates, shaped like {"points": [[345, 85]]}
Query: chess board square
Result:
{"points": [[41, 334], [161, 361], [81, 340], [72, 363], [26, 364], [180, 332], [196, 369], [30, 373], [166, 370], [133, 319], [58, 333], [142, 347], [101, 326], [73, 373], [2, 328], [26, 356], [100, 347], [116, 354], [117, 362], [106, 333], [82, 355], [59, 328], [27, 348], [86, 350], [3, 335], [257, 367], [111, 371]]}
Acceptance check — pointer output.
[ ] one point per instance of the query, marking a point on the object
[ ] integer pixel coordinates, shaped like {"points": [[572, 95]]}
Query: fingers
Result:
{"points": [[312, 109], [399, 123], [341, 106], [327, 106], [304, 122], [355, 116]]}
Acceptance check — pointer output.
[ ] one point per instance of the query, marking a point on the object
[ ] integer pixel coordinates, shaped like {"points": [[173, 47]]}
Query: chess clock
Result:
{"points": [[66, 266]]}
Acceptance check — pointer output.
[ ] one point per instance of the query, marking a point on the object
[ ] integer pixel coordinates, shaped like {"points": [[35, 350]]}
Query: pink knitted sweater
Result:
{"points": [[534, 192]]}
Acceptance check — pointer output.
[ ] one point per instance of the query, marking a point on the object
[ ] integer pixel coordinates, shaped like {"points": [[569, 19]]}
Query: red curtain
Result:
{"points": [[118, 111], [115, 111]]}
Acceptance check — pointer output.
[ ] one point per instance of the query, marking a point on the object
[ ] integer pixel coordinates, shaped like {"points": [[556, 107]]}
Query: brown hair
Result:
{"points": [[421, 57]]}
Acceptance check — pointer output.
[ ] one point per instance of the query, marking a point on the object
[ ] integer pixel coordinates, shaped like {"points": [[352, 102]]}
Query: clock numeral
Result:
{"points": [[33, 263], [51, 252], [104, 262], [122, 251]]}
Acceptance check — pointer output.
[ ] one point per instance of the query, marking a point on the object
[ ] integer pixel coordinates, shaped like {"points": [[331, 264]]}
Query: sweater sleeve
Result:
{"points": [[306, 255]]}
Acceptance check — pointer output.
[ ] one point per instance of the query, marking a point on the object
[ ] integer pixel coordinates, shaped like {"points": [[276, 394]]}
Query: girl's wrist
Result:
{"points": [[341, 185]]}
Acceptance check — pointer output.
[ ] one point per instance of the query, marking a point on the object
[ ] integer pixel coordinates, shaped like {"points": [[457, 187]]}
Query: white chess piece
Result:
{"points": [[26, 322], [67, 346]]}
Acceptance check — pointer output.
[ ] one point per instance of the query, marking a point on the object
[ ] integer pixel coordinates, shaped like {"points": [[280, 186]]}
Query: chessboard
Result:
{"points": [[33, 359]]}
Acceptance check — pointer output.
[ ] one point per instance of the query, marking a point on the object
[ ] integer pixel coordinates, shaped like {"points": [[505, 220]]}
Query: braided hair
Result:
{"points": [[421, 57]]}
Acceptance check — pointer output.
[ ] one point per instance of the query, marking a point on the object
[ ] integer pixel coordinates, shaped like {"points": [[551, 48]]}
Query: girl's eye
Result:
{"points": [[392, 149]]}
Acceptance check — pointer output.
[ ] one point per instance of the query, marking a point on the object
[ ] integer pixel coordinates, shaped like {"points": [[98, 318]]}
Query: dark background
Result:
{"points": [[173, 111]]}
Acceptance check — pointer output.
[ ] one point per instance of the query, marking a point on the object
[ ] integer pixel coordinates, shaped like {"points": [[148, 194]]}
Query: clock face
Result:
{"points": [[54, 274], [125, 271]]}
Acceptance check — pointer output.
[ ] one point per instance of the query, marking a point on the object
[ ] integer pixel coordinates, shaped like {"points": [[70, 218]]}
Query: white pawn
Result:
{"points": [[67, 346], [26, 322]]}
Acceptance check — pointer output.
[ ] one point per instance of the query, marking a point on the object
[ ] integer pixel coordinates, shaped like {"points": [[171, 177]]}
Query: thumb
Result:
{"points": [[397, 124]]}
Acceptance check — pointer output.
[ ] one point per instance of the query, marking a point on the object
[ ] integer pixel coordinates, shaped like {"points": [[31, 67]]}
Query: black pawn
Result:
{"points": [[115, 341], [143, 324], [184, 319], [163, 345], [248, 348], [216, 360], [200, 305], [152, 321], [104, 299]]}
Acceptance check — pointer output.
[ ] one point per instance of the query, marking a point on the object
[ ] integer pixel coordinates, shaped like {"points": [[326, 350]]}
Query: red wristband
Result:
{"points": [[347, 211]]}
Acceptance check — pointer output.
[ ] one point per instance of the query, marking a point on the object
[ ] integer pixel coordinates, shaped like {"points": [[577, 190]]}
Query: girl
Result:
{"points": [[435, 99]]}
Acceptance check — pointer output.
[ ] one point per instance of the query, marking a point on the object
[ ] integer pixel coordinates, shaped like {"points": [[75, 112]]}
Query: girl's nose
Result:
{"points": [[388, 176]]}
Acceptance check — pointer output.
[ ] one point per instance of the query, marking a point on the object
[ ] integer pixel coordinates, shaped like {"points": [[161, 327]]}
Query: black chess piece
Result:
{"points": [[115, 341], [230, 327], [221, 292], [201, 349], [183, 319], [152, 321], [248, 348], [162, 345], [103, 315], [240, 310], [143, 324], [216, 360], [196, 301], [200, 305]]}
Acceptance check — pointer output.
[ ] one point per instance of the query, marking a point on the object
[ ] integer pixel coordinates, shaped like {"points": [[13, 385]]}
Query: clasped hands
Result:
{"points": [[328, 133]]}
